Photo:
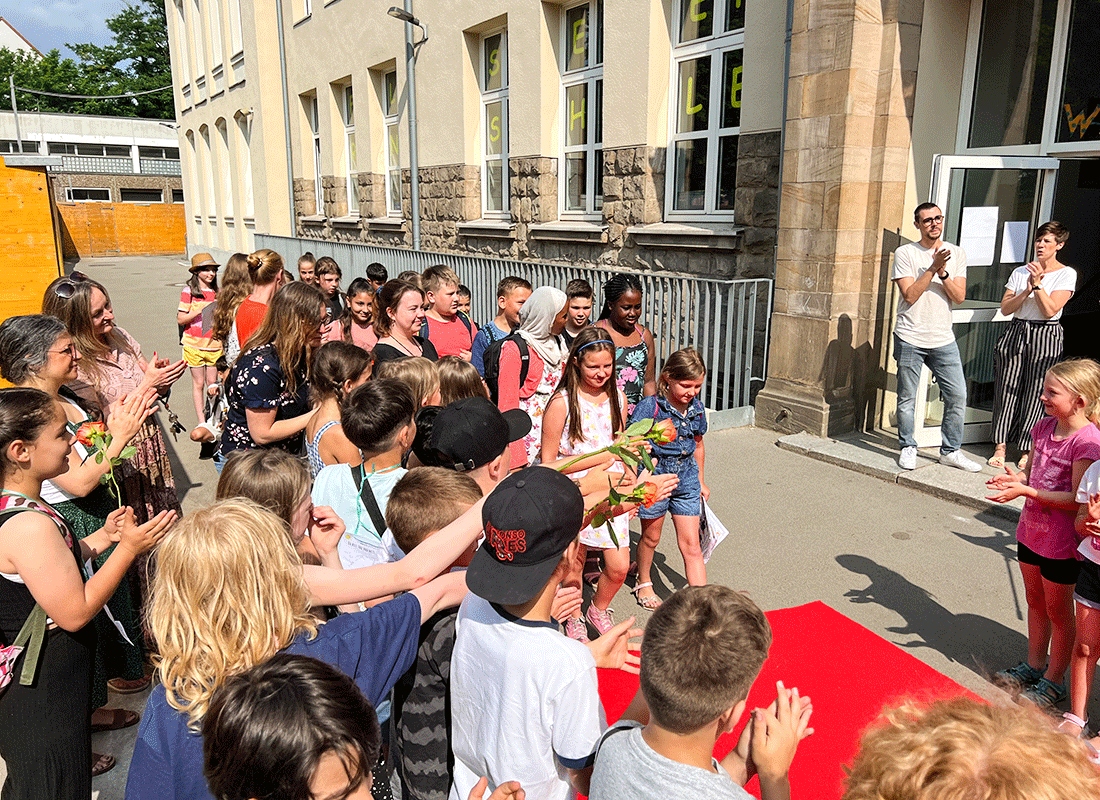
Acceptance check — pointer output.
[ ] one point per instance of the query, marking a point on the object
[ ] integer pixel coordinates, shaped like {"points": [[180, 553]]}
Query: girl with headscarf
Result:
{"points": [[541, 320]]}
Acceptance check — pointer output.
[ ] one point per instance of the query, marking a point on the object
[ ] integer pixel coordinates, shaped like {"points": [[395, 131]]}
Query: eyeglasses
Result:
{"points": [[70, 351], [66, 287], [937, 220]]}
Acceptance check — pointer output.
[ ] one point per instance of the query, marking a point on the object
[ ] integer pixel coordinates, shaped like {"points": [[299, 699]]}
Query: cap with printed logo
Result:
{"points": [[529, 518], [466, 434]]}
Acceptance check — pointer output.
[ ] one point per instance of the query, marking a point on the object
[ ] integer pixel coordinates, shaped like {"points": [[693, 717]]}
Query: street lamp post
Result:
{"points": [[406, 16]]}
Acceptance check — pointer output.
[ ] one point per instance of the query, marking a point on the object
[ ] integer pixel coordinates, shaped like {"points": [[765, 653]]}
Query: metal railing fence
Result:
{"points": [[727, 321]]}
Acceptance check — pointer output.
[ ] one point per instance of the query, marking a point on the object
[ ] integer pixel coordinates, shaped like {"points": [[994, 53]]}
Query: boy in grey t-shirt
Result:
{"points": [[702, 650]]}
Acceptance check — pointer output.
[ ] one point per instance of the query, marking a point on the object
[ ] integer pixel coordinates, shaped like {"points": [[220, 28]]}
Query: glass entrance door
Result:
{"points": [[992, 206]]}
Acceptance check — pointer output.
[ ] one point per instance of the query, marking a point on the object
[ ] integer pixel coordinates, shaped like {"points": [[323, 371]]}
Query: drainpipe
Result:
{"points": [[286, 117], [414, 155], [783, 127]]}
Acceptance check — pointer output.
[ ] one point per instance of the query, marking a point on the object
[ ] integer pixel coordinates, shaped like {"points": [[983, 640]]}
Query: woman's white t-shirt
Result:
{"points": [[1060, 280]]}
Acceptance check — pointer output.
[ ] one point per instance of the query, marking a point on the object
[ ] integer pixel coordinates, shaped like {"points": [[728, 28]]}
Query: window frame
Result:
{"points": [[487, 98], [69, 192], [351, 167], [391, 136], [589, 76], [160, 198], [714, 46], [313, 114]]}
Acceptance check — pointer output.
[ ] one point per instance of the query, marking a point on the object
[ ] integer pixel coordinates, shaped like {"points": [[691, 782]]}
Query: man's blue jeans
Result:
{"points": [[945, 363]]}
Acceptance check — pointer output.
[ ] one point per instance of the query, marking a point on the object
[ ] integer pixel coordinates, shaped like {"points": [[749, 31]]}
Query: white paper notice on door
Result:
{"points": [[1014, 243], [978, 236]]}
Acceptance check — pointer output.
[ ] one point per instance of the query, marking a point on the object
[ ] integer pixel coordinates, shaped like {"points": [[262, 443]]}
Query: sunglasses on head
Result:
{"points": [[66, 287]]}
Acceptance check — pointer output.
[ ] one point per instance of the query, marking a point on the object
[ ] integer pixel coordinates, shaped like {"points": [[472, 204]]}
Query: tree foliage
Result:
{"points": [[136, 60]]}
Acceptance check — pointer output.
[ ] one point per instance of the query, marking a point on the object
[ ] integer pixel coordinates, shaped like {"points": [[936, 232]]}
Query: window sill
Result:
{"points": [[386, 224], [303, 20], [573, 231], [313, 220], [688, 237], [350, 221], [488, 228]]}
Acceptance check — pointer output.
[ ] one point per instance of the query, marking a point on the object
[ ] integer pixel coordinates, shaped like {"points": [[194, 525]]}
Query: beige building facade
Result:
{"points": [[652, 135]]}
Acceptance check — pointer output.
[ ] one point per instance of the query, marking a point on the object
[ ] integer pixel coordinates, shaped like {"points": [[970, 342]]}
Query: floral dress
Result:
{"points": [[630, 366], [535, 406], [259, 382], [597, 431]]}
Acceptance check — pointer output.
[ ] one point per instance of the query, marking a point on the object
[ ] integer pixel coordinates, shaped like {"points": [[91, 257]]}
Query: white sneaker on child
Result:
{"points": [[908, 458], [956, 459]]}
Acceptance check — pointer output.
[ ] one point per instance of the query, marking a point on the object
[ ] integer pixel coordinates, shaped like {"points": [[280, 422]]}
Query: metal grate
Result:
{"points": [[727, 321]]}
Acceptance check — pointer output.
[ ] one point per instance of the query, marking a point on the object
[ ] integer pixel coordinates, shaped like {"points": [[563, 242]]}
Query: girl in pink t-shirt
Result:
{"points": [[1064, 445]]}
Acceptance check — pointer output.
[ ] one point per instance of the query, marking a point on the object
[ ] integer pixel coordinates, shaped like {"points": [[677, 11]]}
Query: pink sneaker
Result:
{"points": [[576, 629], [601, 620]]}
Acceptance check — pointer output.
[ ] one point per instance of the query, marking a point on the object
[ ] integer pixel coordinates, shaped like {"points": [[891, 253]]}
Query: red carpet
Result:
{"points": [[849, 673]]}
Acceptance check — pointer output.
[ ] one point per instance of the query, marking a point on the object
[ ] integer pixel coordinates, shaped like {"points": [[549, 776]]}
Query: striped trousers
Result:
{"points": [[1021, 359]]}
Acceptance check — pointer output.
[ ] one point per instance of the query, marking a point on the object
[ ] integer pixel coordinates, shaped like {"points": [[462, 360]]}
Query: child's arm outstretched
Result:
{"points": [[1012, 487]]}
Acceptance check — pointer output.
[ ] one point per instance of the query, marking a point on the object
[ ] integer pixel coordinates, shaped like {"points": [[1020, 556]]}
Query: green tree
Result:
{"points": [[136, 60]]}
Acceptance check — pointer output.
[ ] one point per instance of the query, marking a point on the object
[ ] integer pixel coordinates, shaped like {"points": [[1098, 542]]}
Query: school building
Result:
{"points": [[715, 139]]}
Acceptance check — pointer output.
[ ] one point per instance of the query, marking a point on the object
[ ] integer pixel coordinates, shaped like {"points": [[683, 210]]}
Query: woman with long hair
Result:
{"points": [[265, 269], [45, 730], [267, 391], [236, 285], [398, 315], [111, 367]]}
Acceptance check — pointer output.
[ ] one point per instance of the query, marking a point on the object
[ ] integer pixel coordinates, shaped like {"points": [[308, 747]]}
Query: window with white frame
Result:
{"points": [[347, 113], [707, 77], [582, 109], [81, 194], [315, 130], [494, 125], [392, 143]]}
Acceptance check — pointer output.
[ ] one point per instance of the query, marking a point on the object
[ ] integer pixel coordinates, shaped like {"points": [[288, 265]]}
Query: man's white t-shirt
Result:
{"points": [[1061, 280], [524, 703], [927, 322]]}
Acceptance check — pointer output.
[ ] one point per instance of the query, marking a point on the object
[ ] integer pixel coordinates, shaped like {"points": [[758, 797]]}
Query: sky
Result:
{"points": [[51, 23]]}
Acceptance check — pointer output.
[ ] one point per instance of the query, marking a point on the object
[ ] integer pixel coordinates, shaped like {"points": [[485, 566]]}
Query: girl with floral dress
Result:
{"points": [[634, 347], [267, 391], [586, 413], [541, 320]]}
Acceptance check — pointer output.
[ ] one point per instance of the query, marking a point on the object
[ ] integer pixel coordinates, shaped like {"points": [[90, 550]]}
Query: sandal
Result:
{"points": [[1045, 693], [1022, 463], [996, 461], [651, 602], [102, 762], [123, 686], [120, 718]]}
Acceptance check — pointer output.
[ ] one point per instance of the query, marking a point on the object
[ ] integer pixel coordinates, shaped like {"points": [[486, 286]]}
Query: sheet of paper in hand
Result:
{"points": [[711, 531]]}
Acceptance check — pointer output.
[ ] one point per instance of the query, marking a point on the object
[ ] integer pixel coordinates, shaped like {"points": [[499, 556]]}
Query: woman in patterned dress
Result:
{"points": [[634, 348]]}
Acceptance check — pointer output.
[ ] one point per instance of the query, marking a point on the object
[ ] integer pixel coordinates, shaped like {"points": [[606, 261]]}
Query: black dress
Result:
{"points": [[387, 352], [45, 728]]}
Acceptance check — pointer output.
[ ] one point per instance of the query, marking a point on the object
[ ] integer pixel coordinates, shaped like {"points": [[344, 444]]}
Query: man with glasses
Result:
{"points": [[931, 276]]}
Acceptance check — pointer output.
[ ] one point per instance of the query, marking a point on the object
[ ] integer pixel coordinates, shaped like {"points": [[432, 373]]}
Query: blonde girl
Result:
{"points": [[338, 368], [236, 285], [458, 379], [1065, 443], [586, 413], [261, 607], [419, 374], [677, 399]]}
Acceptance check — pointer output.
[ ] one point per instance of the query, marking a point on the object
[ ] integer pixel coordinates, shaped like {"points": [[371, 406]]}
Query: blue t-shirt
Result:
{"points": [[688, 426], [486, 335], [374, 647]]}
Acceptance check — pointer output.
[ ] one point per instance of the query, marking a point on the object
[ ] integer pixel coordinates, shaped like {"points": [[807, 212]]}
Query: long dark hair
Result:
{"points": [[196, 287], [589, 340], [24, 412], [617, 285], [387, 299], [356, 287], [293, 308]]}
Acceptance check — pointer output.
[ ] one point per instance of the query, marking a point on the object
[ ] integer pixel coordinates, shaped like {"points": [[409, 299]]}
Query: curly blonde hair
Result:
{"points": [[227, 594], [963, 749]]}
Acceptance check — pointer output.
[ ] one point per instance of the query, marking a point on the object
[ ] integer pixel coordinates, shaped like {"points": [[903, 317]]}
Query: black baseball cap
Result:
{"points": [[530, 518], [466, 434]]}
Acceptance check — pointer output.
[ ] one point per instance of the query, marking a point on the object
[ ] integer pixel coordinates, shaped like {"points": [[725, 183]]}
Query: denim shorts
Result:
{"points": [[686, 499]]}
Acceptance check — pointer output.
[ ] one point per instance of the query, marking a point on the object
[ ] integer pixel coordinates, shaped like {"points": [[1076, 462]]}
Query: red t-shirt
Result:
{"points": [[249, 316], [451, 338]]}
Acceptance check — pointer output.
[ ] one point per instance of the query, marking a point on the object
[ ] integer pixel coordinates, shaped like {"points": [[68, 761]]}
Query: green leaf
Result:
{"points": [[99, 457], [647, 461], [128, 452], [611, 530], [103, 479], [639, 428], [629, 457], [615, 497]]}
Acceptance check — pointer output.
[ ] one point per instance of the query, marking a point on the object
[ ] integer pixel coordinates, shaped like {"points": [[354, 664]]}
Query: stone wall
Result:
{"points": [[756, 203], [116, 183], [334, 190], [305, 200], [448, 195]]}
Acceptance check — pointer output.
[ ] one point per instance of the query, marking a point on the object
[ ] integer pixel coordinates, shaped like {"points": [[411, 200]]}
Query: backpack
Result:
{"points": [[491, 362], [461, 315]]}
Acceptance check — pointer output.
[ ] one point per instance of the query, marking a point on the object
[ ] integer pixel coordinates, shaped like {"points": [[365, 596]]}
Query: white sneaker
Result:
{"points": [[956, 459], [908, 458]]}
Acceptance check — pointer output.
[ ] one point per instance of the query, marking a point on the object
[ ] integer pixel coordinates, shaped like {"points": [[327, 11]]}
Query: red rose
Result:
{"points": [[664, 432], [88, 432]]}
